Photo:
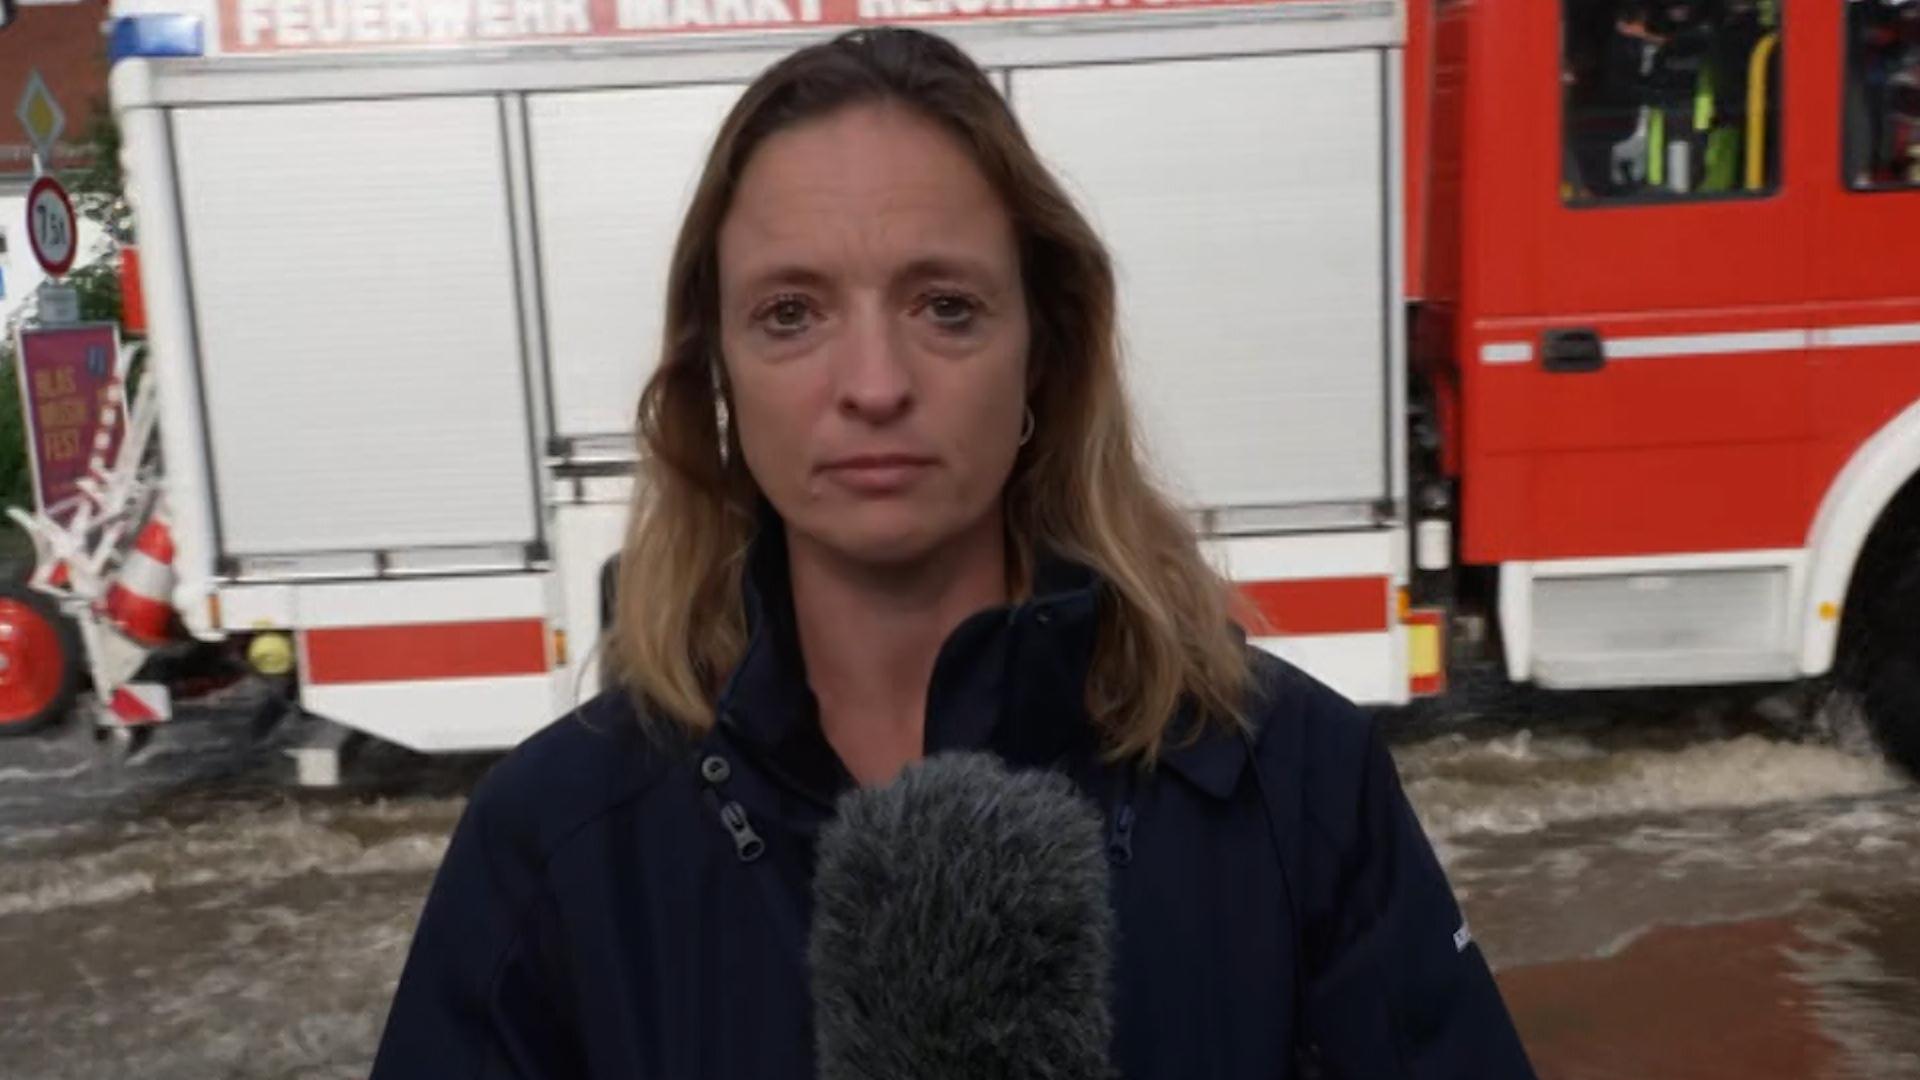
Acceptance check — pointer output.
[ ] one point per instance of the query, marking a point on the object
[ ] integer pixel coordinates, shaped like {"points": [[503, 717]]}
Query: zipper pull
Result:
{"points": [[1120, 839], [746, 843]]}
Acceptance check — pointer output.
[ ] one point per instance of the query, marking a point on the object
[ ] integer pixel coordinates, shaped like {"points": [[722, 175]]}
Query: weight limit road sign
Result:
{"points": [[52, 232]]}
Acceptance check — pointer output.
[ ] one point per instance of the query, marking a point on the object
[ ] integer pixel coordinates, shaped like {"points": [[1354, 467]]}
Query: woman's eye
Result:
{"points": [[786, 316], [951, 310]]}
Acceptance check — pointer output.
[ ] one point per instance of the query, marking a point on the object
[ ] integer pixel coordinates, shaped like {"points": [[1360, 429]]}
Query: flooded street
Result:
{"points": [[195, 916], [1685, 902], [1691, 895]]}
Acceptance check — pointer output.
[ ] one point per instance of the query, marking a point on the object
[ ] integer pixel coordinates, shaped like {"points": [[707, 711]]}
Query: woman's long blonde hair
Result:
{"points": [[1078, 489]]}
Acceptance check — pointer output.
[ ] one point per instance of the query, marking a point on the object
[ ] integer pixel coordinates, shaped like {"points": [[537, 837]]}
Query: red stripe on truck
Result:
{"points": [[452, 650], [1347, 605]]}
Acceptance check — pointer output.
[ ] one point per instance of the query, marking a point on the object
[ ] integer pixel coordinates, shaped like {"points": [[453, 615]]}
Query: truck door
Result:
{"points": [[360, 354], [1254, 247], [613, 171], [1636, 274], [1866, 293]]}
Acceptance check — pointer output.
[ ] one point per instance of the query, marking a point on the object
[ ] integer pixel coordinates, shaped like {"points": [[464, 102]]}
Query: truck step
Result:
{"points": [[1668, 667]]}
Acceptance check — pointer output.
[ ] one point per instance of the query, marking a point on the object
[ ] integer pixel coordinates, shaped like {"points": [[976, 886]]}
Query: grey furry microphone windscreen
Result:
{"points": [[962, 929]]}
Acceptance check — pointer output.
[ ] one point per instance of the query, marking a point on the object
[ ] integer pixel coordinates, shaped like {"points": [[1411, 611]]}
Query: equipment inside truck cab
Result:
{"points": [[1669, 100]]}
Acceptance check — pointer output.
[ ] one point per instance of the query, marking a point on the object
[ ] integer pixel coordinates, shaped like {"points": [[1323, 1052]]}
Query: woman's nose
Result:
{"points": [[876, 386]]}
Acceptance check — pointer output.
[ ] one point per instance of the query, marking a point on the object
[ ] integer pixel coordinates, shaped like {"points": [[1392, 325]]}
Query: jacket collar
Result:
{"points": [[1009, 679]]}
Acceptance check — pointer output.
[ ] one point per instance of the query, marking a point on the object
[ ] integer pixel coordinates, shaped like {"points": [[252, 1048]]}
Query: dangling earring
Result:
{"points": [[722, 409], [1026, 427]]}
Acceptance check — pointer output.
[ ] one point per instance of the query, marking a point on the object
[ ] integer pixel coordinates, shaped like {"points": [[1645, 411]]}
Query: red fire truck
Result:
{"points": [[1666, 298], [1578, 337]]}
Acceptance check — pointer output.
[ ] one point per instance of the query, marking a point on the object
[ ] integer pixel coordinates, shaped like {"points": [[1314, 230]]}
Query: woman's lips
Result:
{"points": [[877, 474]]}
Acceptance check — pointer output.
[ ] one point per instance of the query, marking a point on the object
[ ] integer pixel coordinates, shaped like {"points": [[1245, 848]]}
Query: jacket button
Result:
{"points": [[715, 770]]}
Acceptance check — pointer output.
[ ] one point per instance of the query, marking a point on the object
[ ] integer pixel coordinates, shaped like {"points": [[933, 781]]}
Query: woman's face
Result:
{"points": [[874, 329]]}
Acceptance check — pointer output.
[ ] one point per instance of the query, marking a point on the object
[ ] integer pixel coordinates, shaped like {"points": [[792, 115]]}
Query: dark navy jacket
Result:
{"points": [[619, 905]]}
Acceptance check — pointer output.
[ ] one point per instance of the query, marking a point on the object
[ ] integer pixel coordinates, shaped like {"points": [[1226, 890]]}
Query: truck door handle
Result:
{"points": [[1574, 349]]}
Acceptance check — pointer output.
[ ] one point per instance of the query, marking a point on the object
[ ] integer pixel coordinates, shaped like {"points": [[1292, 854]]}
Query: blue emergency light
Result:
{"points": [[155, 36]]}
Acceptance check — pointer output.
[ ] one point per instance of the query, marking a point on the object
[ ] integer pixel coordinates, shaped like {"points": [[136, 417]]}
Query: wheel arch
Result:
{"points": [[1877, 490]]}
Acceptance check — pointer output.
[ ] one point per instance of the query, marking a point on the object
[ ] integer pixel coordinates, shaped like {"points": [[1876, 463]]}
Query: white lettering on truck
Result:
{"points": [[290, 21], [295, 23], [698, 14], [892, 10], [403, 20], [369, 21], [265, 25]]}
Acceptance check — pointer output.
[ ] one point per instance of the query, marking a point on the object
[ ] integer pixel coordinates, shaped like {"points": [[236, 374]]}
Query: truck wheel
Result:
{"points": [[1881, 662], [39, 661]]}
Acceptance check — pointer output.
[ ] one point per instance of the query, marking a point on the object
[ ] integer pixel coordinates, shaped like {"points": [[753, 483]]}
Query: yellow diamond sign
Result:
{"points": [[40, 115]]}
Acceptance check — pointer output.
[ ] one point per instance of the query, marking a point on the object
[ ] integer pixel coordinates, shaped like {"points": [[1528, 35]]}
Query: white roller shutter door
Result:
{"points": [[359, 338], [1243, 202]]}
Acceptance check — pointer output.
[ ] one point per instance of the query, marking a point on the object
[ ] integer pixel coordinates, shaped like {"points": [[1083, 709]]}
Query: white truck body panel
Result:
{"points": [[1253, 279], [604, 249], [402, 302], [353, 276]]}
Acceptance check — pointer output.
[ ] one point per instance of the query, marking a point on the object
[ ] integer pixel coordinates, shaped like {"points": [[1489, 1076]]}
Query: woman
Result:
{"points": [[892, 506]]}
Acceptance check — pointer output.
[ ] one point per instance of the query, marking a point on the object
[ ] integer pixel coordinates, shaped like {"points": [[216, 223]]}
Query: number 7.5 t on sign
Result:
{"points": [[51, 230]]}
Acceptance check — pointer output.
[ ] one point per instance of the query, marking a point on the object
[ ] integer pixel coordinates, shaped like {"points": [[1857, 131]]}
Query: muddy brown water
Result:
{"points": [[1682, 897]]}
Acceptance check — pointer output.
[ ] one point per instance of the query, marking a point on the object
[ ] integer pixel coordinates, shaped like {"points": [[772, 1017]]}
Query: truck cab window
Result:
{"points": [[1670, 99], [1883, 93]]}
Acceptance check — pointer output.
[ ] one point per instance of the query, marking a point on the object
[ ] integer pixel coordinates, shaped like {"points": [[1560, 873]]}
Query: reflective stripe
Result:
{"points": [[140, 597], [1843, 337], [139, 703], [453, 650], [1345, 605], [1641, 348], [1720, 344], [1507, 352], [146, 575], [144, 618]]}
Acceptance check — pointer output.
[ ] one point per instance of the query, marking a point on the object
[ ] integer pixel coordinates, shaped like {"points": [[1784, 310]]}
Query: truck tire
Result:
{"points": [[39, 661], [1880, 661]]}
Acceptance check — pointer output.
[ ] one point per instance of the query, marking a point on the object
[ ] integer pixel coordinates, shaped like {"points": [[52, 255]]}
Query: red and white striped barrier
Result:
{"points": [[139, 705], [140, 599]]}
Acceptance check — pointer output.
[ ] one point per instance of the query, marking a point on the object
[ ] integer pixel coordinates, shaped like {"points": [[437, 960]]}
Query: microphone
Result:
{"points": [[962, 930]]}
